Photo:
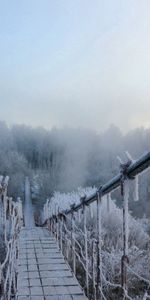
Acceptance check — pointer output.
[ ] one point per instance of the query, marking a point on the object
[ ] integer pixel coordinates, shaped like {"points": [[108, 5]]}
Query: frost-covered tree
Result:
{"points": [[64, 159]]}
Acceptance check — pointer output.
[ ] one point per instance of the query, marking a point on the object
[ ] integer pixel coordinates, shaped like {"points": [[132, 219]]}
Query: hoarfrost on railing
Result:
{"points": [[78, 221], [11, 221]]}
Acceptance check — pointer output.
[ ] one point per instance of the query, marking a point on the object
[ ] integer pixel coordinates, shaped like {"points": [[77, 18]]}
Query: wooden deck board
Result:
{"points": [[43, 273]]}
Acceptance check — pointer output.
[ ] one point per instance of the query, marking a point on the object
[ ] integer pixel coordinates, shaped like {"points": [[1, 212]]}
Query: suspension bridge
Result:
{"points": [[48, 262], [42, 271]]}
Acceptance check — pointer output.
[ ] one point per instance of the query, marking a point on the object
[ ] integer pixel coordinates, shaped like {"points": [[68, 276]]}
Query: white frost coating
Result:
{"points": [[63, 201], [1, 179], [126, 216], [120, 160], [111, 235], [129, 156], [8, 266], [146, 296], [136, 189], [6, 180], [136, 180]]}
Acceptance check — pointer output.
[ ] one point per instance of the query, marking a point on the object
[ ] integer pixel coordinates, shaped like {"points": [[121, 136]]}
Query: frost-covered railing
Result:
{"points": [[10, 221], [79, 233]]}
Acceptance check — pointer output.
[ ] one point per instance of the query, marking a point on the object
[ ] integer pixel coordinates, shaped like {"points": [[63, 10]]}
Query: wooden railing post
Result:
{"points": [[52, 226], [57, 225], [125, 197], [61, 230], [1, 282], [99, 261]]}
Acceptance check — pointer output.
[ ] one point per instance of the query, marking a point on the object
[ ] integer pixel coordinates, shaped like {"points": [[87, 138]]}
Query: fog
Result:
{"points": [[65, 159]]}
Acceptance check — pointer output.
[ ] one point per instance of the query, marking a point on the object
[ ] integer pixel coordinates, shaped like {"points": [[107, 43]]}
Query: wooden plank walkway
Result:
{"points": [[43, 273]]}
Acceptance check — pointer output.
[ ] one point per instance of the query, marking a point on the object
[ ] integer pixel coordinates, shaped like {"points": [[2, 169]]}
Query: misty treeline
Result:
{"points": [[64, 159]]}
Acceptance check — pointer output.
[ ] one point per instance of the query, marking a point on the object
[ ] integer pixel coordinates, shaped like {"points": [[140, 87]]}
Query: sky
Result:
{"points": [[75, 63]]}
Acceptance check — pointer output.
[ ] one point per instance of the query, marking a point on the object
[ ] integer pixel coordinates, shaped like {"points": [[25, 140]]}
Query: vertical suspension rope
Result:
{"points": [[4, 201], [57, 224], [108, 202], [73, 243], [79, 216], [86, 247], [93, 270], [64, 236]]}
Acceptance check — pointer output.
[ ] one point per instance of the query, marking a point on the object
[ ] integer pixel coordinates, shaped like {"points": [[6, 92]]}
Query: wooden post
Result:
{"points": [[61, 230], [52, 225], [55, 226], [1, 282], [99, 262], [125, 196]]}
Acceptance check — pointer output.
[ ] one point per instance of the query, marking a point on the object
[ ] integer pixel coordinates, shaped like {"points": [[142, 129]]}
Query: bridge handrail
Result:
{"points": [[133, 169], [12, 215]]}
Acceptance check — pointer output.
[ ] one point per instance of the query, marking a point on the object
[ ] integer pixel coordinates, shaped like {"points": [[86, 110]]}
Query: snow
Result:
{"points": [[136, 189], [64, 201]]}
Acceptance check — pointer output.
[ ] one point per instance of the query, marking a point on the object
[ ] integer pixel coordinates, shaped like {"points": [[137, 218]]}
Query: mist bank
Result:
{"points": [[65, 159]]}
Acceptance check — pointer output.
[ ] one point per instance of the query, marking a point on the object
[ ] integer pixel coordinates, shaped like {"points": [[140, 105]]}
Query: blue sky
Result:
{"points": [[75, 63]]}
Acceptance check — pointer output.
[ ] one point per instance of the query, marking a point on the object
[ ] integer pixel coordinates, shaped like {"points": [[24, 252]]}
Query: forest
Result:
{"points": [[65, 159], [64, 166]]}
